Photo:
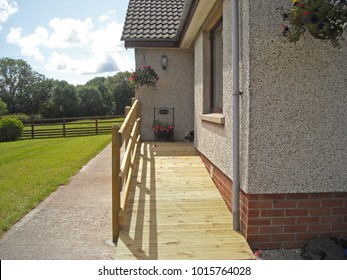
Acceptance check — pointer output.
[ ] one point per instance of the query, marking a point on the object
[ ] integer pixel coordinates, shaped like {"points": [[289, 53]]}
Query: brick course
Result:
{"points": [[305, 216], [270, 221]]}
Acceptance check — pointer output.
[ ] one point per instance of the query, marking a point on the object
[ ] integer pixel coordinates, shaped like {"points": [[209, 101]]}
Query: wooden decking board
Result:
{"points": [[175, 211]]}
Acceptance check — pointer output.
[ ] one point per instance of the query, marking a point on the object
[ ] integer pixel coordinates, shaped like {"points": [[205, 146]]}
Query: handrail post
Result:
{"points": [[126, 111], [115, 183], [138, 115], [133, 99]]}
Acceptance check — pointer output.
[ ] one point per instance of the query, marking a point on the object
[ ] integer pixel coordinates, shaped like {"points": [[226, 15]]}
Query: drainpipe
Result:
{"points": [[236, 109]]}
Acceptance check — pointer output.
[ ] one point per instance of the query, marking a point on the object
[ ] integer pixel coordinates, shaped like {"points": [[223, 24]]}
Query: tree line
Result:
{"points": [[23, 90]]}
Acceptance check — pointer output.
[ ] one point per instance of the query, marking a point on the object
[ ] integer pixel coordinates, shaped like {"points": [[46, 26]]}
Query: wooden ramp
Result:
{"points": [[175, 212]]}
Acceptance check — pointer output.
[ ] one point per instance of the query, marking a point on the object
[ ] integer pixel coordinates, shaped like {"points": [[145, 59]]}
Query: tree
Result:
{"points": [[34, 91], [26, 91], [122, 90], [65, 99], [3, 108], [41, 92], [92, 103], [61, 101], [100, 84], [17, 84]]}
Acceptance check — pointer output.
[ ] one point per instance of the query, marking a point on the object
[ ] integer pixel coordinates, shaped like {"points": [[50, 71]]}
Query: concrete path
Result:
{"points": [[73, 223]]}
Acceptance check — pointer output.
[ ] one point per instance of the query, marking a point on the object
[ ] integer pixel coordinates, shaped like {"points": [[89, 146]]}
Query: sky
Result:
{"points": [[71, 40]]}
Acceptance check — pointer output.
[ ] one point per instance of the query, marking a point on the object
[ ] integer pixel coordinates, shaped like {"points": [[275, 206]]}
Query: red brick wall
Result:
{"points": [[270, 221], [222, 182], [289, 220]]}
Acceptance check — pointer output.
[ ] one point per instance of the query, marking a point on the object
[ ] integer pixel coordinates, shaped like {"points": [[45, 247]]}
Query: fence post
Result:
{"points": [[96, 126], [64, 127], [115, 183], [32, 130]]}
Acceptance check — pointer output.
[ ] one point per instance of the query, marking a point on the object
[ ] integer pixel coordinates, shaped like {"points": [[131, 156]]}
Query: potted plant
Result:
{"points": [[323, 19], [146, 76], [163, 131]]}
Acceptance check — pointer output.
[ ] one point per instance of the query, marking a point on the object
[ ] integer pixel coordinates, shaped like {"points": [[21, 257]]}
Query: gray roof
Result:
{"points": [[154, 20]]}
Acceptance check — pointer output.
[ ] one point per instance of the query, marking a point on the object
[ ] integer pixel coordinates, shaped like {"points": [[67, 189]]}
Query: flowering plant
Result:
{"points": [[145, 76], [324, 19], [162, 127]]}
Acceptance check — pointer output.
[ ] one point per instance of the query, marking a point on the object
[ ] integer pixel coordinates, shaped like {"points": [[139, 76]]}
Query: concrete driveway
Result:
{"points": [[73, 223]]}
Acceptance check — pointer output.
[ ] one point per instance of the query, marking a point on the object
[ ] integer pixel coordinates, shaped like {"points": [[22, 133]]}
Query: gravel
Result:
{"points": [[281, 254]]}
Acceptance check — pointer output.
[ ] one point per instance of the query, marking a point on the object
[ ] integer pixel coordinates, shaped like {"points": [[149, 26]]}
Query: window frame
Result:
{"points": [[214, 109]]}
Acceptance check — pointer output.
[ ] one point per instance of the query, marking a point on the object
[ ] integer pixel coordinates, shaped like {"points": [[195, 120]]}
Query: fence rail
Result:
{"points": [[128, 136], [70, 127]]}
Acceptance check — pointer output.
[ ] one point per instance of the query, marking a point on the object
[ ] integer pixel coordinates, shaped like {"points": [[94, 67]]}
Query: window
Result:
{"points": [[216, 41]]}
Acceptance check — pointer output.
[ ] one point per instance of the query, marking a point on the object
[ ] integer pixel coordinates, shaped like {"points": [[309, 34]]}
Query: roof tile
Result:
{"points": [[153, 19]]}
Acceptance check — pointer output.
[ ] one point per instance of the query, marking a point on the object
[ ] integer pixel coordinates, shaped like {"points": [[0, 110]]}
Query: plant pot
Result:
{"points": [[164, 135]]}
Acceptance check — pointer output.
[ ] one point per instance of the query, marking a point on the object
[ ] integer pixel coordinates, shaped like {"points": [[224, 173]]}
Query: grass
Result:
{"points": [[31, 169]]}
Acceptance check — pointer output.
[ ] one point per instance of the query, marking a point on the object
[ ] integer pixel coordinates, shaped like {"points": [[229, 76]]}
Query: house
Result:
{"points": [[292, 111]]}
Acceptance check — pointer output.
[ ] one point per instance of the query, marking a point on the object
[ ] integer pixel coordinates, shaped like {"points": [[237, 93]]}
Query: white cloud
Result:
{"points": [[96, 49], [7, 8], [99, 63], [14, 36], [29, 44], [66, 33], [107, 38], [109, 16], [69, 32], [103, 44]]}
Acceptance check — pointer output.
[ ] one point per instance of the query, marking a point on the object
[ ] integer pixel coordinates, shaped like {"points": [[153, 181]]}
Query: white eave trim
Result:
{"points": [[202, 11]]}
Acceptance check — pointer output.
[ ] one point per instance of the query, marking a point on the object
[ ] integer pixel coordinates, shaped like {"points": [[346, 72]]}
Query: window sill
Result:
{"points": [[214, 118]]}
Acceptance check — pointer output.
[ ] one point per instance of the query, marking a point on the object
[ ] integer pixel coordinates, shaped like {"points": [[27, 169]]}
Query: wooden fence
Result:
{"points": [[128, 137], [70, 127]]}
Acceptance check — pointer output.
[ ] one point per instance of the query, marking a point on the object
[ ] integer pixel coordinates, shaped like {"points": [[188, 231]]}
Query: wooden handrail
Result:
{"points": [[128, 134], [127, 172], [130, 119]]}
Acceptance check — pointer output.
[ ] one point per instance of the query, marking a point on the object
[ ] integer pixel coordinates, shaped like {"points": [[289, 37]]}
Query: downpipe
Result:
{"points": [[236, 113]]}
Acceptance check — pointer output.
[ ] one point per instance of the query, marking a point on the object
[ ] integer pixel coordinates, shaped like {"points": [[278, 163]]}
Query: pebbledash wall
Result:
{"points": [[174, 89], [293, 129]]}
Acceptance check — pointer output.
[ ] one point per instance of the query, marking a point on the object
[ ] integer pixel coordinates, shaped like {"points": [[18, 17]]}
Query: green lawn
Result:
{"points": [[31, 169]]}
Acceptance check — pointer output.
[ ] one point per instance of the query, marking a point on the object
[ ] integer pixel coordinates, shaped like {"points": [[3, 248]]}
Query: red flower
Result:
{"points": [[306, 13], [301, 5]]}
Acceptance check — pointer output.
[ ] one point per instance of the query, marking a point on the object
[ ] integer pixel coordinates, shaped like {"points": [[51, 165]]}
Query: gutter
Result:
{"points": [[236, 113], [186, 17]]}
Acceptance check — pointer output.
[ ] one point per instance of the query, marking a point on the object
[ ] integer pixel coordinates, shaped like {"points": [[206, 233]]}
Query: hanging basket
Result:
{"points": [[318, 34], [323, 19], [146, 76]]}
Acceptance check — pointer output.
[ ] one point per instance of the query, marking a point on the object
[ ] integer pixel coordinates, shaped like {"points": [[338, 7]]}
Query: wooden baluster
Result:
{"points": [[115, 183]]}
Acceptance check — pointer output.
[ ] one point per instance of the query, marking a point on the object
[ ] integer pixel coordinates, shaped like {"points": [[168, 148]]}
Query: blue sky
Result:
{"points": [[72, 40]]}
